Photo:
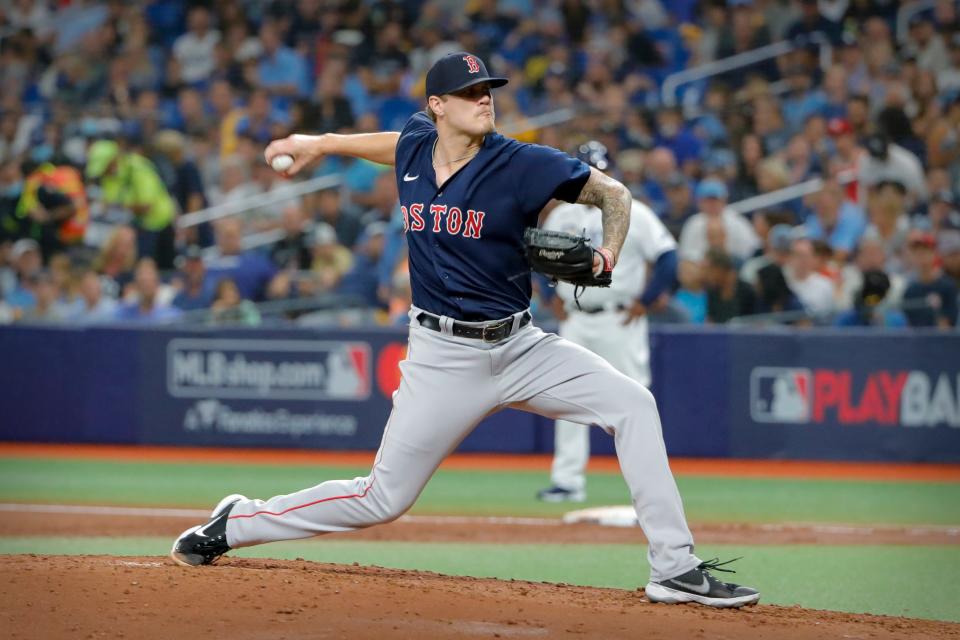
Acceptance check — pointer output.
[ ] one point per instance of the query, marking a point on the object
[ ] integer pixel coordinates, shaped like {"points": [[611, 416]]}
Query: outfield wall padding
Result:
{"points": [[818, 394]]}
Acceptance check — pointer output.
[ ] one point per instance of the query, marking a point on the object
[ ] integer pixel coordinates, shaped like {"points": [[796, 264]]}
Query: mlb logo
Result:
{"points": [[780, 394], [348, 372]]}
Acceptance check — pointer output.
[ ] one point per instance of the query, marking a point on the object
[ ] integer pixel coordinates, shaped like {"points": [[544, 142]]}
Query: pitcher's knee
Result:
{"points": [[636, 407], [387, 506], [636, 397], [392, 511], [648, 401]]}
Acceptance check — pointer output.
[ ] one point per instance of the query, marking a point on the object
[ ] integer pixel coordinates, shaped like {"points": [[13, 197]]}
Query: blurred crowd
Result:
{"points": [[120, 121]]}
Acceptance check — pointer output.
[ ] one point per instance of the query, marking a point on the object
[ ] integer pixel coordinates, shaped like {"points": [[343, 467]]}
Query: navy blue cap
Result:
{"points": [[456, 71]]}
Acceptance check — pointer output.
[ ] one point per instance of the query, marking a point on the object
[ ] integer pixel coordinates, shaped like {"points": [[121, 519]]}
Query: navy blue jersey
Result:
{"points": [[466, 250]]}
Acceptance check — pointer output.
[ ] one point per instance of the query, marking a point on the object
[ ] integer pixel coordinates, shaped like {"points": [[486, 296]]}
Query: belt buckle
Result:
{"points": [[493, 327]]}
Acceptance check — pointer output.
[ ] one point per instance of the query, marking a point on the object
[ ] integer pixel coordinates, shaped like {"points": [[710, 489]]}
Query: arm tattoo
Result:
{"points": [[615, 201]]}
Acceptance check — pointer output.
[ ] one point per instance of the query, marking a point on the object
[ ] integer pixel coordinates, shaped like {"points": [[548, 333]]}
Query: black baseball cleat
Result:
{"points": [[206, 543], [697, 585], [559, 494]]}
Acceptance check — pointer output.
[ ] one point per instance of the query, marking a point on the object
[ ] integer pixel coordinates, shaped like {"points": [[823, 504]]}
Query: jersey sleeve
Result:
{"points": [[419, 127], [541, 173]]}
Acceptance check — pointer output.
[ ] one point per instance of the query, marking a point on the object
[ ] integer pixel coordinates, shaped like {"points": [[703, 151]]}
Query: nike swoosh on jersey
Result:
{"points": [[409, 178], [702, 588]]}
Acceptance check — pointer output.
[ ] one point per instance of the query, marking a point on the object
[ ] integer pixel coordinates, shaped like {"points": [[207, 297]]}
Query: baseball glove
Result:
{"points": [[566, 257]]}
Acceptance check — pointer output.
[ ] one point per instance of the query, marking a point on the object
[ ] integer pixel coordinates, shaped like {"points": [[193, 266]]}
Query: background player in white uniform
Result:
{"points": [[467, 195], [610, 322]]}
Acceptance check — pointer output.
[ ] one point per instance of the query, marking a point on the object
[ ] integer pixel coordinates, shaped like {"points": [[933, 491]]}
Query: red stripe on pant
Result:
{"points": [[309, 504]]}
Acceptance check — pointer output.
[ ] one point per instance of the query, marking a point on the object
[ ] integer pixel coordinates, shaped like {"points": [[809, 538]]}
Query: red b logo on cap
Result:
{"points": [[472, 65]]}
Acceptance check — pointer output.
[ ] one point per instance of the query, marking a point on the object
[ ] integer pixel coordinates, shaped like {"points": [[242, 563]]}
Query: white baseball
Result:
{"points": [[282, 162]]}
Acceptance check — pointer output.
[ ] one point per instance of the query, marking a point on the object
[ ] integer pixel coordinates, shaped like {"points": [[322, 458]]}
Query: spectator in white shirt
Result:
{"points": [[29, 14], [814, 290], [926, 44], [948, 79], [194, 50], [741, 239], [889, 162]]}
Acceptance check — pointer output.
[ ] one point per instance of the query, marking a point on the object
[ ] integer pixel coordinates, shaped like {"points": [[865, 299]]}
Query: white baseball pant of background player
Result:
{"points": [[448, 385], [626, 347]]}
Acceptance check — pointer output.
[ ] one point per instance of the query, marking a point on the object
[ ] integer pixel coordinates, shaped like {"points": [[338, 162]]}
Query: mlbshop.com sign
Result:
{"points": [[275, 369], [887, 398], [264, 388]]}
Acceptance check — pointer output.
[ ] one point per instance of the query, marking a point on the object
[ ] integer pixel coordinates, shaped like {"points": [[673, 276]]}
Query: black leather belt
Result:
{"points": [[494, 332], [619, 307]]}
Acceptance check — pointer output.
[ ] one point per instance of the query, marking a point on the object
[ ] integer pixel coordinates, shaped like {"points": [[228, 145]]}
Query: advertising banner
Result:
{"points": [[302, 388], [851, 395], [262, 388], [846, 396]]}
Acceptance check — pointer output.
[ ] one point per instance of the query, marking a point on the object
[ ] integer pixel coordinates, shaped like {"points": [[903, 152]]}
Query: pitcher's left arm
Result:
{"points": [[614, 201]]}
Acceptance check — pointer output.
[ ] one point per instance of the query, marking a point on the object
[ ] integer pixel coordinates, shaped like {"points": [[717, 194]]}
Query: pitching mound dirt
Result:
{"points": [[150, 598]]}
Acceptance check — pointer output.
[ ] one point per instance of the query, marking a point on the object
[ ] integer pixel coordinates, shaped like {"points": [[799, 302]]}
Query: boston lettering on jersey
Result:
{"points": [[465, 238], [470, 223]]}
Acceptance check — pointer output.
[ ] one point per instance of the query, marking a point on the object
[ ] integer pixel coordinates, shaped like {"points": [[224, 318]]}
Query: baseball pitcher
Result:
{"points": [[468, 196]]}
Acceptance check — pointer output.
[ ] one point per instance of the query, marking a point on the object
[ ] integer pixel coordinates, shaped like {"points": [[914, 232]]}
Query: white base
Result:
{"points": [[659, 593], [620, 516]]}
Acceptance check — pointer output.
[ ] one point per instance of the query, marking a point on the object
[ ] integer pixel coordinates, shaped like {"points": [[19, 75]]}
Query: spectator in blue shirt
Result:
{"points": [[672, 134], [340, 214], [92, 306], [691, 297], [709, 125], [261, 122], [931, 297], [811, 23], [251, 270], [680, 206], [281, 71], [490, 24], [836, 220], [362, 280], [147, 308], [835, 92], [803, 100], [746, 29], [196, 291], [768, 122], [660, 167], [27, 262]]}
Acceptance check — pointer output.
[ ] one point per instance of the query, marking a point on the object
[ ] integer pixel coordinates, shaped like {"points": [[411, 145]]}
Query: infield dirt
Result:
{"points": [[87, 597], [150, 598]]}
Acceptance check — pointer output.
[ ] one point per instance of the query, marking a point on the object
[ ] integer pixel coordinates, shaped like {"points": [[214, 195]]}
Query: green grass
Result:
{"points": [[863, 579], [706, 499], [874, 579]]}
